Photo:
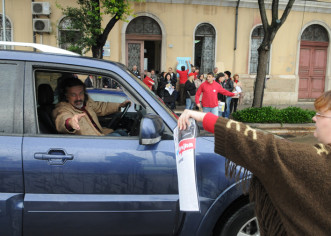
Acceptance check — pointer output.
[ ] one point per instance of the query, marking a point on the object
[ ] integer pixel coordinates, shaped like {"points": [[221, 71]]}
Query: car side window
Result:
{"points": [[11, 90], [99, 89]]}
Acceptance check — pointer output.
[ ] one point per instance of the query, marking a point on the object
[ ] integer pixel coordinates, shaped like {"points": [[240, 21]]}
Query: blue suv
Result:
{"points": [[60, 184]]}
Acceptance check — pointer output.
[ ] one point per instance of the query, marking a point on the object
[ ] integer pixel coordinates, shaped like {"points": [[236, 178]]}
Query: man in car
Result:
{"points": [[76, 113]]}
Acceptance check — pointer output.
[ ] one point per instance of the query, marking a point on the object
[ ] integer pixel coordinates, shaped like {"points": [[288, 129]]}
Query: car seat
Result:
{"points": [[46, 106]]}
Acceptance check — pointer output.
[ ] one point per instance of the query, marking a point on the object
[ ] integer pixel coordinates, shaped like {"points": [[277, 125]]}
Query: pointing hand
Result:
{"points": [[73, 122]]}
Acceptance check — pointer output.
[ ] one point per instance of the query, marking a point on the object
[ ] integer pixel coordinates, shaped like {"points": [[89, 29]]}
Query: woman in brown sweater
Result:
{"points": [[291, 183]]}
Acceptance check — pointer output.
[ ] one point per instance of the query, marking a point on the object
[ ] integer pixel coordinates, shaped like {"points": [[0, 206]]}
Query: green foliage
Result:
{"points": [[75, 48], [291, 115], [87, 18]]}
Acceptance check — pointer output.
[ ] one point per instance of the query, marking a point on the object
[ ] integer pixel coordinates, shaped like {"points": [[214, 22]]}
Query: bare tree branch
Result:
{"points": [[287, 11], [263, 14], [274, 10]]}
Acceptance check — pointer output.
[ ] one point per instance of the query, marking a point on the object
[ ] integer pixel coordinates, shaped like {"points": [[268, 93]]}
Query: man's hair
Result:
{"points": [[68, 81], [210, 73], [323, 101], [228, 73], [218, 76], [183, 68]]}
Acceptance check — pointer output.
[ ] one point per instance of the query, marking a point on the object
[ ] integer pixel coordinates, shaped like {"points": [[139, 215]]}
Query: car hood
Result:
{"points": [[208, 138]]}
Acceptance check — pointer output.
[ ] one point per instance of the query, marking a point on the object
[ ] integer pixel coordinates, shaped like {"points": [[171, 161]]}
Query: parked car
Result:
{"points": [[60, 184]]}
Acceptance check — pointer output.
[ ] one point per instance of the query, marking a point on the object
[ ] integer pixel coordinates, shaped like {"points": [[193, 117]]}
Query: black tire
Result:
{"points": [[242, 221]]}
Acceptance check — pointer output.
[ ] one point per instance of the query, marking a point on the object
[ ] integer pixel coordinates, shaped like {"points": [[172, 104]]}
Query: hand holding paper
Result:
{"points": [[185, 142]]}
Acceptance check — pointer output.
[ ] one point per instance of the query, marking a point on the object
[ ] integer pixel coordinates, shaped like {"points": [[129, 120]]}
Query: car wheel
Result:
{"points": [[242, 223]]}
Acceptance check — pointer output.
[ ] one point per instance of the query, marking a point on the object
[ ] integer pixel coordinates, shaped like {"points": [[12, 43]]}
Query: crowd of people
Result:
{"points": [[216, 92]]}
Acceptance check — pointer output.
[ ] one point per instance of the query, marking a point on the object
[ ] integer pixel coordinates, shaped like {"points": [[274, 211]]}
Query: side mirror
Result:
{"points": [[151, 129]]}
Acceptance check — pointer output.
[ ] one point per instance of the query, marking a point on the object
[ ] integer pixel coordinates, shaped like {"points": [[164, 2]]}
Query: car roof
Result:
{"points": [[52, 55], [40, 47]]}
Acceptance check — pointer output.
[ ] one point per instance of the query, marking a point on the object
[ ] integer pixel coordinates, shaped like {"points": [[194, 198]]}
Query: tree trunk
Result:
{"points": [[260, 76], [264, 49], [97, 51]]}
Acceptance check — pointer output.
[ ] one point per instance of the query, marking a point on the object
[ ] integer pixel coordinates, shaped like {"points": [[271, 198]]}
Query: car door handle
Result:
{"points": [[54, 156]]}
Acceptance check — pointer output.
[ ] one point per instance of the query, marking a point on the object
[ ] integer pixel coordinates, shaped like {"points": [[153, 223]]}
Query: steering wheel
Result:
{"points": [[118, 116]]}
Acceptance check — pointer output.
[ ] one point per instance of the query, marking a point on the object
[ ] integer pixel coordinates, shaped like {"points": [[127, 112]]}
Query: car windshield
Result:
{"points": [[108, 95], [157, 98]]}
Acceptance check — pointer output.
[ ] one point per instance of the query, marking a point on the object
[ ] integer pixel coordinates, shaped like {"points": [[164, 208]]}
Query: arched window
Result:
{"points": [[256, 40], [8, 32], [315, 33], [204, 45], [143, 25], [68, 36]]}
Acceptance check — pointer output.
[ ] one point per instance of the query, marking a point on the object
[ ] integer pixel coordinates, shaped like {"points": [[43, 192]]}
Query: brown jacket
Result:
{"points": [[65, 110], [295, 177]]}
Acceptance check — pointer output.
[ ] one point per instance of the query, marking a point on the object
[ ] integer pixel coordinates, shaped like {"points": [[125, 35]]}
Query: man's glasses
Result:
{"points": [[320, 115]]}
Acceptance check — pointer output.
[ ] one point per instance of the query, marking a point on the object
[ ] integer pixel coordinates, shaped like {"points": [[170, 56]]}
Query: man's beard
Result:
{"points": [[79, 104]]}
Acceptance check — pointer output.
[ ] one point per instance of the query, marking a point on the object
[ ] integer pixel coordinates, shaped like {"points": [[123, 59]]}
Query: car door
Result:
{"points": [[11, 129], [86, 185]]}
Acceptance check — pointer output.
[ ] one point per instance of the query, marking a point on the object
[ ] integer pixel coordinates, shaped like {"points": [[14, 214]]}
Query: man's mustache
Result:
{"points": [[78, 101]]}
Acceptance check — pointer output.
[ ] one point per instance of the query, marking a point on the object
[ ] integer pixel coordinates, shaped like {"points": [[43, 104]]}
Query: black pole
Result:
{"points": [[236, 26]]}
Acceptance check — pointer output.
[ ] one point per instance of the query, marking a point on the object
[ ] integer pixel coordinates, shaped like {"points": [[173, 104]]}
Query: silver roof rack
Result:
{"points": [[40, 47]]}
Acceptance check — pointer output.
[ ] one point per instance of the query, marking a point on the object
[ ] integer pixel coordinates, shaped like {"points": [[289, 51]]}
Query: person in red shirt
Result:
{"points": [[182, 80], [210, 88], [194, 71], [149, 81]]}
